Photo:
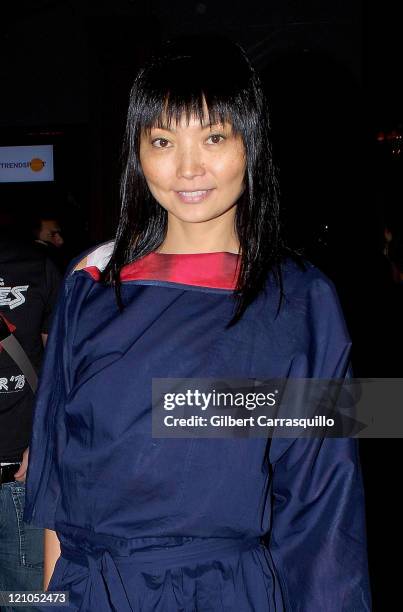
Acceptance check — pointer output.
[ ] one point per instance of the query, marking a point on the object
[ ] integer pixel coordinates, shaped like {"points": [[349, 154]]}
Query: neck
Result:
{"points": [[211, 236]]}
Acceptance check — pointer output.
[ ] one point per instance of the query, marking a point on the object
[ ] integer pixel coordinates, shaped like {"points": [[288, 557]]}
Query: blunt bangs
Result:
{"points": [[212, 86]]}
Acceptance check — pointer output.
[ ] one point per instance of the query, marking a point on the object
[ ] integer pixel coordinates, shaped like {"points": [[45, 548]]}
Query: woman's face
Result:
{"points": [[196, 172]]}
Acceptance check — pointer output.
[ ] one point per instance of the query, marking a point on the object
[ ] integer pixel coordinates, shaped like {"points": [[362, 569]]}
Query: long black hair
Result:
{"points": [[183, 79]]}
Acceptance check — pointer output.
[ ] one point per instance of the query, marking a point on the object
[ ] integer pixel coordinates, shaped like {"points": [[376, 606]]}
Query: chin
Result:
{"points": [[196, 216], [196, 213]]}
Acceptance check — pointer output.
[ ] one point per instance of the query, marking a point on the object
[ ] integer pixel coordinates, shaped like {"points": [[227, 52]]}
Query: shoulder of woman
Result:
{"points": [[97, 257], [301, 288], [302, 277]]}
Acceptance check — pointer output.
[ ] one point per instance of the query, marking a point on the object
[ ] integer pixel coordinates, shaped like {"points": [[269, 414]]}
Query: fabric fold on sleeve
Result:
{"points": [[48, 437], [318, 532]]}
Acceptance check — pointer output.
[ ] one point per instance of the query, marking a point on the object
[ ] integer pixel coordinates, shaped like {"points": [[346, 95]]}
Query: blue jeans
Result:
{"points": [[21, 546]]}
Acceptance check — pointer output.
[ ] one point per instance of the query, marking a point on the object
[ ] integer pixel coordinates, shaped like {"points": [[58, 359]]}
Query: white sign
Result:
{"points": [[26, 164]]}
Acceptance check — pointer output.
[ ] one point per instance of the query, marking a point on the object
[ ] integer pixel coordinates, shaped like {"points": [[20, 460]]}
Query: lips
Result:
{"points": [[189, 194], [196, 195]]}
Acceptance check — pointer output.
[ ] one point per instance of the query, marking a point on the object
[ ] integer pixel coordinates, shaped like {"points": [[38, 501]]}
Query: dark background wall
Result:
{"points": [[331, 71]]}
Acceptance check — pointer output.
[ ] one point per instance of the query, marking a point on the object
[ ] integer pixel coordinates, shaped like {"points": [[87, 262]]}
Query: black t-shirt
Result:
{"points": [[29, 284]]}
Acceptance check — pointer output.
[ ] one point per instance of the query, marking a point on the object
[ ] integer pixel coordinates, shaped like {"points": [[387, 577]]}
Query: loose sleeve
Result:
{"points": [[48, 436], [318, 533]]}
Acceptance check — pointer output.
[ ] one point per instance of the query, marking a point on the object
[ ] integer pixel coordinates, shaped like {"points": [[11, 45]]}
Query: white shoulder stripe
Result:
{"points": [[101, 255]]}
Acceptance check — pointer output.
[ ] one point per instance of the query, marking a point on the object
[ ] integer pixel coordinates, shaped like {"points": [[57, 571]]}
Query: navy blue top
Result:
{"points": [[192, 524]]}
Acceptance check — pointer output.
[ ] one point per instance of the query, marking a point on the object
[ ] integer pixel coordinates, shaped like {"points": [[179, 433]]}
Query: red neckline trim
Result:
{"points": [[213, 270]]}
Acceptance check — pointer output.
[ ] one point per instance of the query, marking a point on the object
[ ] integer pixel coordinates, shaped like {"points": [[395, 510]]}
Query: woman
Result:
{"points": [[196, 284]]}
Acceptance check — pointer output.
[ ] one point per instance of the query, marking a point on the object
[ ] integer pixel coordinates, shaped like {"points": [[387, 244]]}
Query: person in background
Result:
{"points": [[48, 237], [29, 284], [49, 231]]}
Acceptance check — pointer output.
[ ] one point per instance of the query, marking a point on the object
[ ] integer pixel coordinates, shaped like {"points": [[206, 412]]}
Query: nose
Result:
{"points": [[190, 163]]}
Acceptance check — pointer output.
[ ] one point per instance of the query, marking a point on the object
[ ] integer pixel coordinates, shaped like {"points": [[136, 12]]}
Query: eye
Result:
{"points": [[160, 143], [215, 138]]}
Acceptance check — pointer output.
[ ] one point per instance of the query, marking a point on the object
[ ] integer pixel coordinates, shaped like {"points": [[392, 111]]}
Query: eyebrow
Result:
{"points": [[162, 127], [204, 126]]}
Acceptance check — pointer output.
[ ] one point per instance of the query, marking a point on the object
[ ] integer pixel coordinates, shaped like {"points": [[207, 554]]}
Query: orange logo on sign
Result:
{"points": [[36, 164]]}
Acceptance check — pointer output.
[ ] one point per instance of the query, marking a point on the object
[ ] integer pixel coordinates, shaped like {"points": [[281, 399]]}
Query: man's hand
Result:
{"points": [[22, 472]]}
